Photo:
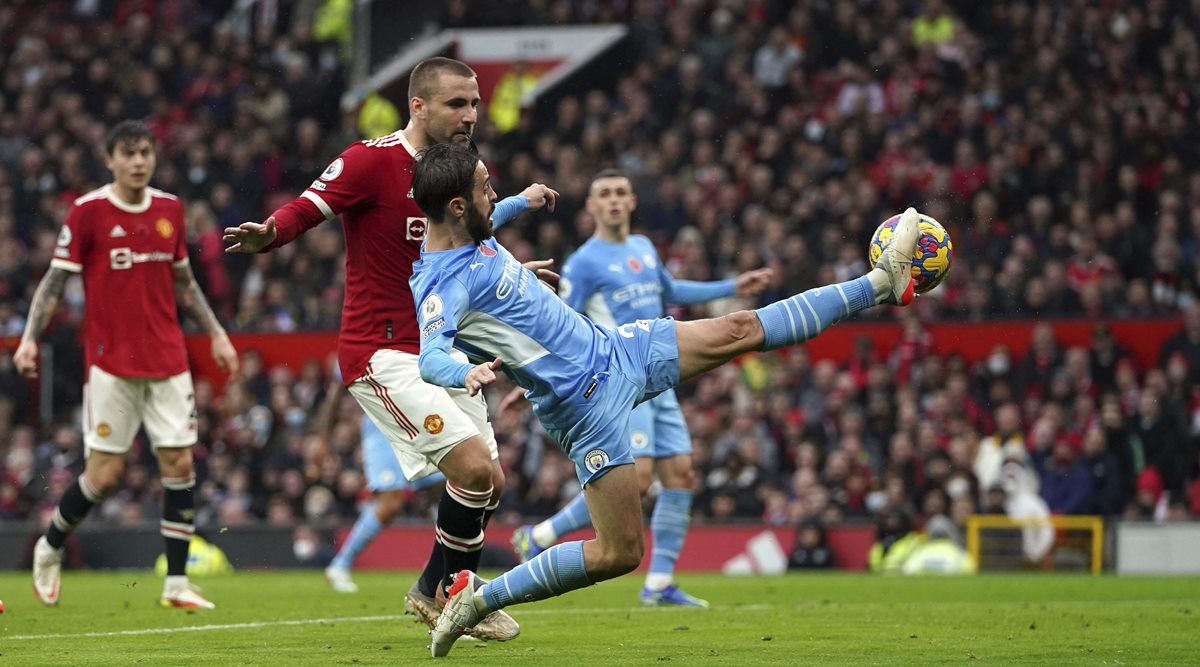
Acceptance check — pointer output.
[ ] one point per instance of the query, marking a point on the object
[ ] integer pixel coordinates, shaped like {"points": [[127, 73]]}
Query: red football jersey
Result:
{"points": [[126, 254], [370, 186]]}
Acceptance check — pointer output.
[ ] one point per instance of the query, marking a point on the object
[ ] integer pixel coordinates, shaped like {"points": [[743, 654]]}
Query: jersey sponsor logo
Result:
{"points": [[125, 258], [637, 291], [333, 170], [434, 424], [634, 264], [416, 229], [64, 237], [512, 278], [626, 330], [595, 460], [103, 430], [164, 228], [431, 307], [117, 232], [318, 185], [638, 440]]}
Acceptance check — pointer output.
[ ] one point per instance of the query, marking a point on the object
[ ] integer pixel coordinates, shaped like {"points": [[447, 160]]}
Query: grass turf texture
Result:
{"points": [[294, 618]]}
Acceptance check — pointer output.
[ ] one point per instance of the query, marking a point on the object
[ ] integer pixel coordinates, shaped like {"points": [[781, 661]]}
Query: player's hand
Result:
{"points": [[25, 358], [540, 195], [752, 283], [224, 354], [482, 375], [512, 405], [541, 269], [250, 237]]}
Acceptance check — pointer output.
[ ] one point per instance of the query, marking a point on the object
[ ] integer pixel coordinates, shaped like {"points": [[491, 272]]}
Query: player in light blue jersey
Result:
{"points": [[582, 379], [618, 277], [386, 480]]}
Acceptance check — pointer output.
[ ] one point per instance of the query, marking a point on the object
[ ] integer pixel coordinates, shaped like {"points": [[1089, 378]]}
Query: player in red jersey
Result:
{"points": [[127, 241], [430, 428]]}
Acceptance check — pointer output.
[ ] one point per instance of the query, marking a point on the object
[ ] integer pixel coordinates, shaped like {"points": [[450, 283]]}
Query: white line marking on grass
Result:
{"points": [[344, 619]]}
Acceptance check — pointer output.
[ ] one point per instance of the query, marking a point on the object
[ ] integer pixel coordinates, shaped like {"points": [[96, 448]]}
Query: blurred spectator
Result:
{"points": [[811, 552]]}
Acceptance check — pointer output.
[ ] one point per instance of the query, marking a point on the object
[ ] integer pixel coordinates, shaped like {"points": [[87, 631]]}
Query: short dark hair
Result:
{"points": [[423, 80], [443, 172], [608, 173], [127, 132]]}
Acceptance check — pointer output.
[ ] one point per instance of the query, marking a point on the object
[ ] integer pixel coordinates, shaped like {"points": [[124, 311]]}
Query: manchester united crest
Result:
{"points": [[103, 430], [164, 228], [434, 424]]}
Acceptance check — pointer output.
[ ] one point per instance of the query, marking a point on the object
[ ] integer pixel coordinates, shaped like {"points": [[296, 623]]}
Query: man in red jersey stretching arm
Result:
{"points": [[127, 241], [430, 428]]}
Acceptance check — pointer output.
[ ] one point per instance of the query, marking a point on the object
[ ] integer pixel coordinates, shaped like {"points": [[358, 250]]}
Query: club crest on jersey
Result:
{"points": [[487, 251], [595, 460], [434, 424], [634, 264], [333, 170], [431, 307], [415, 229], [103, 430], [164, 228]]}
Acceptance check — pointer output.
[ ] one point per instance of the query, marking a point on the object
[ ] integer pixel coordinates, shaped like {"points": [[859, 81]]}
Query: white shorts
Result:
{"points": [[422, 421], [114, 407]]}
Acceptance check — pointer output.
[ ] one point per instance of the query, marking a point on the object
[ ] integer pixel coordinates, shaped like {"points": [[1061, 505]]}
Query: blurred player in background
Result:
{"points": [[582, 379], [613, 278], [430, 428], [127, 241], [387, 483]]}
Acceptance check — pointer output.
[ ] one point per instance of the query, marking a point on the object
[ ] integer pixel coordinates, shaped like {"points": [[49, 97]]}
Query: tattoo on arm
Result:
{"points": [[45, 301], [191, 299]]}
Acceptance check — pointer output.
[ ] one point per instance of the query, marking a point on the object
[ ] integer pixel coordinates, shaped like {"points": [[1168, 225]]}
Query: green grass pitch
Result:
{"points": [[293, 618]]}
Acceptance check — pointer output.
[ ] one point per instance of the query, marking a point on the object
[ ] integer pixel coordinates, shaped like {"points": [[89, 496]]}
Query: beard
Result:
{"points": [[479, 224]]}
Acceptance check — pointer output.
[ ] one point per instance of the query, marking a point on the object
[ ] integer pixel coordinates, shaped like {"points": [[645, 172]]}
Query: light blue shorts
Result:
{"points": [[644, 363], [381, 466], [657, 429]]}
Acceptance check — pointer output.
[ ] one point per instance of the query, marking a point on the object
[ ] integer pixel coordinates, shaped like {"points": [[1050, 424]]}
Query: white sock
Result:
{"points": [[657, 582], [175, 583], [544, 535], [881, 282]]}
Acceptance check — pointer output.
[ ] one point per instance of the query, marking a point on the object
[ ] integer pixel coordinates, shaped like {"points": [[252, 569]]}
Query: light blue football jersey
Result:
{"points": [[482, 301], [615, 283]]}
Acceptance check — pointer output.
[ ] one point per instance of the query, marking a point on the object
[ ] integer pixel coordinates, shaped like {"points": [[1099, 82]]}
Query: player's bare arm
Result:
{"points": [[45, 304], [191, 299], [250, 237]]}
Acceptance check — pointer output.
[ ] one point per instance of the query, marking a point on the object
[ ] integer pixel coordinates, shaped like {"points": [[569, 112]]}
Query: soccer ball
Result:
{"points": [[934, 251]]}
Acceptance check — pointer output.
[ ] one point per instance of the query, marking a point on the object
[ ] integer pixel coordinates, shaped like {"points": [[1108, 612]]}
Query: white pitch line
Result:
{"points": [[342, 619]]}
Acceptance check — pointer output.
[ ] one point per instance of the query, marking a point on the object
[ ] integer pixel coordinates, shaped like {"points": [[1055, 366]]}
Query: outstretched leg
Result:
{"points": [[617, 549], [707, 344]]}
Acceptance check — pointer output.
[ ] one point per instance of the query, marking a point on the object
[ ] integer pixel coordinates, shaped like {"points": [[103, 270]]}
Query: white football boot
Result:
{"points": [[892, 276], [47, 571]]}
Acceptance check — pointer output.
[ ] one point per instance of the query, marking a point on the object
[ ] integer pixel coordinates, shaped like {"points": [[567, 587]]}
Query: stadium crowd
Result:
{"points": [[1057, 141]]}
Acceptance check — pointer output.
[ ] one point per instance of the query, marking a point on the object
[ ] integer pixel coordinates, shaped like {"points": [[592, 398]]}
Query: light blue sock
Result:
{"points": [[800, 318], [668, 525], [574, 516], [553, 572], [365, 530]]}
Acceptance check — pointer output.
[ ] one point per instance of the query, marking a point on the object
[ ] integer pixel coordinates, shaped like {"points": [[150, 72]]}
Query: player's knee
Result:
{"points": [[682, 477], [644, 481], [105, 480], [741, 326], [472, 475], [388, 505], [498, 480], [627, 560]]}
